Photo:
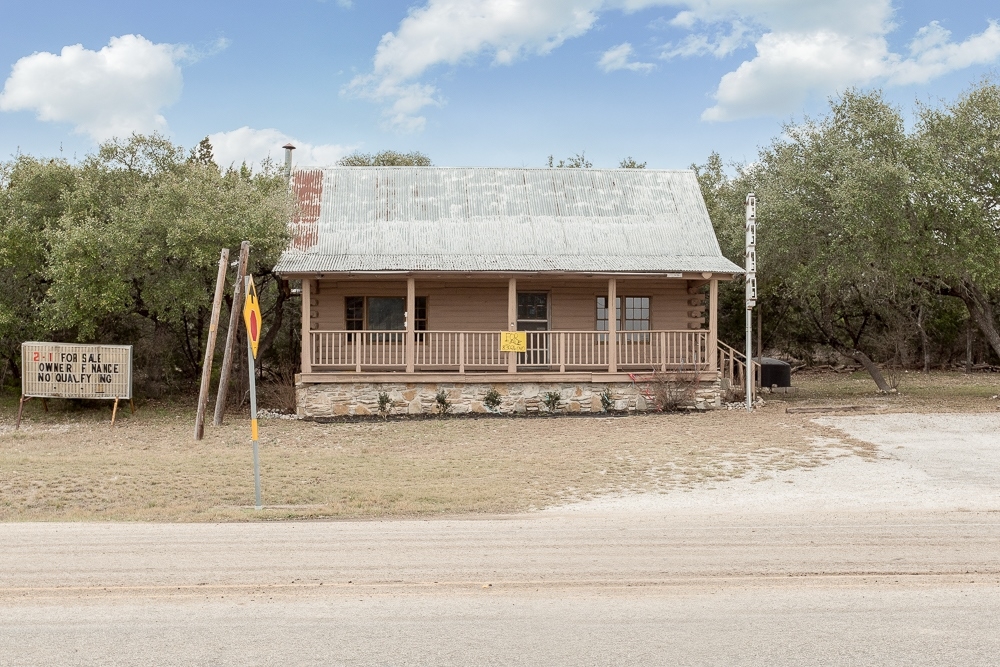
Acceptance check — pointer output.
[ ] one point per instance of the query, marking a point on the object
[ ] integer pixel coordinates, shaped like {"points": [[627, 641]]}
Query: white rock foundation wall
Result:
{"points": [[416, 398]]}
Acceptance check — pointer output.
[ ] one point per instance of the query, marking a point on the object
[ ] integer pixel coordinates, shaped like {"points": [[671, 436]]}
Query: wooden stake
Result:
{"points": [[131, 405], [234, 319], [114, 412], [206, 369], [20, 410]]}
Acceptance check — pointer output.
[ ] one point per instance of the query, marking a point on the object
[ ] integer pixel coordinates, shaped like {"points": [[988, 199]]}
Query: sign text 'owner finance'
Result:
{"points": [[62, 370]]}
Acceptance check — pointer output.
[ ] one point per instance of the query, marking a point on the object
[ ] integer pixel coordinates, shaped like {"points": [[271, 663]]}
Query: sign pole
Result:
{"points": [[251, 318], [253, 425], [751, 291]]}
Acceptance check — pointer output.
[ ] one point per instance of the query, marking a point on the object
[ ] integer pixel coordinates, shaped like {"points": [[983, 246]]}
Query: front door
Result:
{"points": [[533, 317]]}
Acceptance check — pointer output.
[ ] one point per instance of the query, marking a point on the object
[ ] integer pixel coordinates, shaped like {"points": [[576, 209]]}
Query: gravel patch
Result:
{"points": [[938, 462]]}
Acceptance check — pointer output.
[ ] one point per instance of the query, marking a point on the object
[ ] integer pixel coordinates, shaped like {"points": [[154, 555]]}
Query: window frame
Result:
{"points": [[355, 304], [622, 319]]}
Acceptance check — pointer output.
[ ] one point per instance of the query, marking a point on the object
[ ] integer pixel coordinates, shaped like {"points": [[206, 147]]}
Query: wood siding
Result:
{"points": [[480, 304]]}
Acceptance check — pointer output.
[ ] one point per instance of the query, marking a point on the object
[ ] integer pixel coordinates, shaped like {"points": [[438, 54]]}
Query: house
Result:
{"points": [[410, 275]]}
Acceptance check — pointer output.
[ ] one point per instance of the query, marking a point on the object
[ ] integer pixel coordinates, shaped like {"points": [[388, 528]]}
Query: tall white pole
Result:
{"points": [[751, 290]]}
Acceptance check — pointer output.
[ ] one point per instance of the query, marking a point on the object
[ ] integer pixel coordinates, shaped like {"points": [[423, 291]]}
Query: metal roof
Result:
{"points": [[372, 219]]}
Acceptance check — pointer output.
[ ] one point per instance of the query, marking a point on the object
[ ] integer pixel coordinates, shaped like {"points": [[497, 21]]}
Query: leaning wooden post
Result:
{"points": [[234, 318], [206, 368]]}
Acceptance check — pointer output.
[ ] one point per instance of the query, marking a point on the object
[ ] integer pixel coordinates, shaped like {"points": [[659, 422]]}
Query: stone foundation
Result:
{"points": [[339, 399]]}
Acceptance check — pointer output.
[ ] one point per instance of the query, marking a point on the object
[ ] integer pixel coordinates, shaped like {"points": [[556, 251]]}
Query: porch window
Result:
{"points": [[381, 313], [635, 317]]}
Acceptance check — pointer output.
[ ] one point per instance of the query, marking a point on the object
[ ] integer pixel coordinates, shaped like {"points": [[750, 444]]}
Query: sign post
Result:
{"points": [[751, 290], [251, 317]]}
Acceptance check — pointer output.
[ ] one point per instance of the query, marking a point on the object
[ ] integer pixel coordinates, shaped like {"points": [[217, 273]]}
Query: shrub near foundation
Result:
{"points": [[492, 399], [551, 401]]}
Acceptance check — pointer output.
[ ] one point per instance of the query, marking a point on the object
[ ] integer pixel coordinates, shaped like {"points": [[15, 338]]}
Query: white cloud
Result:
{"points": [[788, 67], [253, 146], [803, 48], [815, 48], [619, 57], [702, 44], [120, 89], [451, 32], [932, 53]]}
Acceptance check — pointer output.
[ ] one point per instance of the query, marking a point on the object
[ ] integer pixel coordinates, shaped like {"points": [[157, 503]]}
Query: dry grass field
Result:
{"points": [[67, 464]]}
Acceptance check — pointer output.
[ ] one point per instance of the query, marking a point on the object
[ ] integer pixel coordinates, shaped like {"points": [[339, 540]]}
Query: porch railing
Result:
{"points": [[732, 365], [480, 350]]}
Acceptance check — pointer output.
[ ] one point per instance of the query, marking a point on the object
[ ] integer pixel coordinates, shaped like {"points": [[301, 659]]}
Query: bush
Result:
{"points": [[443, 404], [607, 400], [384, 404], [672, 394], [492, 399], [551, 400]]}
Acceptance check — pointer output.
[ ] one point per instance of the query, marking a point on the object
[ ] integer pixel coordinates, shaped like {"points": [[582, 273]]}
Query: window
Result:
{"points": [[354, 315], [420, 317], [382, 313], [634, 318]]}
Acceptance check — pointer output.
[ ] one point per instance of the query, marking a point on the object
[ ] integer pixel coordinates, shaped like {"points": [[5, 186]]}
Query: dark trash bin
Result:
{"points": [[774, 372]]}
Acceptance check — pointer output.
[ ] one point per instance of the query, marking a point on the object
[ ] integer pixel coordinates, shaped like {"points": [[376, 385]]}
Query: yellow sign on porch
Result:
{"points": [[513, 341]]}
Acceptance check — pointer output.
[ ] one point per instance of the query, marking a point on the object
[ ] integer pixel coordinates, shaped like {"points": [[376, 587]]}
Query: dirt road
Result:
{"points": [[886, 561]]}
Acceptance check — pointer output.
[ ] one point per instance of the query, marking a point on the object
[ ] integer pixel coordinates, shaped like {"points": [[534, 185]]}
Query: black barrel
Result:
{"points": [[774, 372]]}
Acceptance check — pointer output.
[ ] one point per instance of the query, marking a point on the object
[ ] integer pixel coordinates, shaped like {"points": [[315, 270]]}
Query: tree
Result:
{"points": [[631, 163], [578, 161], [955, 230], [135, 251], [385, 159], [32, 199], [833, 198]]}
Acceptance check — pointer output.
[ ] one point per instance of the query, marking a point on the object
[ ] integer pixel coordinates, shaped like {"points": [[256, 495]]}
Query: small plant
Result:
{"points": [[893, 376], [444, 405], [551, 400], [607, 400], [492, 400], [672, 394], [384, 404], [734, 393]]}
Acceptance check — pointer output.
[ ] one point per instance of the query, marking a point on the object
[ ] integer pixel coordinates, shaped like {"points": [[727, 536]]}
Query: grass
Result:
{"points": [[68, 465]]}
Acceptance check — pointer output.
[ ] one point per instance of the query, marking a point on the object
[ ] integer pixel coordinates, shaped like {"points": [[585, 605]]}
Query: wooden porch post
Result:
{"points": [[411, 316], [612, 326], [512, 321], [713, 325], [306, 319]]}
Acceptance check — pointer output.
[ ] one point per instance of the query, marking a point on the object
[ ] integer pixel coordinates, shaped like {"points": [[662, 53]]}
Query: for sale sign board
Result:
{"points": [[63, 370]]}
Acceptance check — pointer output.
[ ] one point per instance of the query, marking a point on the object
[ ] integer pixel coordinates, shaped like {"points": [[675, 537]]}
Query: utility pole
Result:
{"points": [[206, 367], [751, 290]]}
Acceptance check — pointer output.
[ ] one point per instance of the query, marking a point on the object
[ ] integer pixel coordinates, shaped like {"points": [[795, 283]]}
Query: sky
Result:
{"points": [[471, 82]]}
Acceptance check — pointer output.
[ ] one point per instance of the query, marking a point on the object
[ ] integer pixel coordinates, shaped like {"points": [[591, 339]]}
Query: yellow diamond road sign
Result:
{"points": [[251, 315]]}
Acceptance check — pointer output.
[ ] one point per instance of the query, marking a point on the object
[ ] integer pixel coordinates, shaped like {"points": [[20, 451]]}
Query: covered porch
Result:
{"points": [[394, 327]]}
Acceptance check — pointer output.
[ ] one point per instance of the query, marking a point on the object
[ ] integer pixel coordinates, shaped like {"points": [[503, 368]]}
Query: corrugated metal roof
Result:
{"points": [[370, 219]]}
